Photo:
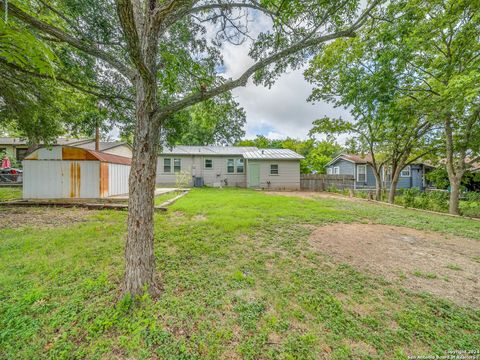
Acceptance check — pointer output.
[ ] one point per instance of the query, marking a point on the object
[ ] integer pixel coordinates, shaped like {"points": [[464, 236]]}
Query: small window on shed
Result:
{"points": [[336, 170], [177, 165], [230, 166], [167, 165], [208, 164], [329, 171], [240, 166], [274, 169]]}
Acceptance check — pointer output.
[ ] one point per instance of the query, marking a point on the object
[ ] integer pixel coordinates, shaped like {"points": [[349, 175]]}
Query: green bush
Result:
{"points": [[409, 196], [470, 208], [434, 200], [472, 196]]}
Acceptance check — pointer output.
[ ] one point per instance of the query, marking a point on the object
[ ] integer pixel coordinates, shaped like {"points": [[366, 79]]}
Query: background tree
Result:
{"points": [[159, 51], [317, 153], [437, 44], [217, 121]]}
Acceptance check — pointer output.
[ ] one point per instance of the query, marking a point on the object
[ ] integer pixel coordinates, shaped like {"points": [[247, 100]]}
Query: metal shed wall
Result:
{"points": [[50, 179], [118, 175]]}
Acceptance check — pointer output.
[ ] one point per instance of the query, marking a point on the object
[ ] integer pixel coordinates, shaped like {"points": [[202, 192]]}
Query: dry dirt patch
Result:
{"points": [[17, 217], [421, 261]]}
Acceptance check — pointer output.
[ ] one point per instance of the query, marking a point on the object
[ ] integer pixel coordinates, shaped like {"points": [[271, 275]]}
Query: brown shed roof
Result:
{"points": [[110, 158], [78, 154]]}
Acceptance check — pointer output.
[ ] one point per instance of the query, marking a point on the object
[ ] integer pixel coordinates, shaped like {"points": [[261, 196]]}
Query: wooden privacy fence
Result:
{"points": [[321, 182]]}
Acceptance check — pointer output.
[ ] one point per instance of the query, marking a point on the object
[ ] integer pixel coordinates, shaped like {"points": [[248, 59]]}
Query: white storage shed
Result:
{"points": [[66, 172]]}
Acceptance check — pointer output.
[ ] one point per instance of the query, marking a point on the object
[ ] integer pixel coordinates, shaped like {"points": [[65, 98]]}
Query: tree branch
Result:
{"points": [[227, 6], [126, 14], [61, 35], [80, 87], [192, 99]]}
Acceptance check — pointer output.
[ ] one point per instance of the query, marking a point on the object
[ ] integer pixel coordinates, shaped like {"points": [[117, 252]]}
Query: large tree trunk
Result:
{"points": [[393, 187], [378, 186], [139, 252], [455, 171], [453, 204]]}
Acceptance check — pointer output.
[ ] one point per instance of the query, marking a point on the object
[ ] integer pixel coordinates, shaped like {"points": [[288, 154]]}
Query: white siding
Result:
{"points": [[122, 150], [46, 179], [170, 179], [118, 179], [195, 165], [288, 177]]}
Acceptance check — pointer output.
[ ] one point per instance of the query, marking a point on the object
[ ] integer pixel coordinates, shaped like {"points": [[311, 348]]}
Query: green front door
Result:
{"points": [[253, 175]]}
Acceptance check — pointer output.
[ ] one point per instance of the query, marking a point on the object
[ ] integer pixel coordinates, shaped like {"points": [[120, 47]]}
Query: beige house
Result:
{"points": [[218, 166], [16, 149]]}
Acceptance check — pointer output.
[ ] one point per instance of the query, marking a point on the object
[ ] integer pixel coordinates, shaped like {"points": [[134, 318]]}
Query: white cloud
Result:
{"points": [[282, 110]]}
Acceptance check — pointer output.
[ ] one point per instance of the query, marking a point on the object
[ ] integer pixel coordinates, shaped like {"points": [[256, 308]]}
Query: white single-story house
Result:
{"points": [[61, 172], [218, 166]]}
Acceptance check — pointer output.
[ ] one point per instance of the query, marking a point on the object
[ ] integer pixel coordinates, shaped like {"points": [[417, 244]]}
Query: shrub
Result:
{"points": [[409, 197], [438, 200], [473, 196], [332, 188]]}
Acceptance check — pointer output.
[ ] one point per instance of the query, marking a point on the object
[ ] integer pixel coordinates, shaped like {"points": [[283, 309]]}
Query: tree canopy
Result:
{"points": [[158, 58]]}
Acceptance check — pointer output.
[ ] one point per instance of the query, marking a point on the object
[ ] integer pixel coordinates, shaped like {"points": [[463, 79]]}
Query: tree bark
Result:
{"points": [[453, 204], [454, 171], [139, 253], [393, 186], [378, 187]]}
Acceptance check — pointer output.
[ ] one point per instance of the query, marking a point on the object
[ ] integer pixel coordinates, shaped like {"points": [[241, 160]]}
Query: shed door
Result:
{"points": [[253, 174]]}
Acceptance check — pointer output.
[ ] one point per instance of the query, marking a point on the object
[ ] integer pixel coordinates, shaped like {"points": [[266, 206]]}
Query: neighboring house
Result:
{"points": [[16, 149], [120, 148], [61, 172], [359, 167], [231, 166]]}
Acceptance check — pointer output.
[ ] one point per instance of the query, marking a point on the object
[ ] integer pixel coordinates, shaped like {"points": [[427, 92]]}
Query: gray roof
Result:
{"points": [[207, 150], [274, 154], [90, 145], [18, 141]]}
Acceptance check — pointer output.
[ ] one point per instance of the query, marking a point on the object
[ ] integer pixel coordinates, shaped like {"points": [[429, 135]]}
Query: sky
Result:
{"points": [[283, 109]]}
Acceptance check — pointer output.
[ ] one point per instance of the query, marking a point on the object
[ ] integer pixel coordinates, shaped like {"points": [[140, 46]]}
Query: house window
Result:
{"points": [[167, 165], [21, 153], [239, 166], [230, 166], [177, 165], [274, 169], [329, 171], [336, 170], [406, 172], [362, 173], [208, 164]]}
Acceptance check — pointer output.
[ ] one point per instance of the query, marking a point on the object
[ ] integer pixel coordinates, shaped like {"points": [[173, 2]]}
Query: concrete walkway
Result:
{"points": [[158, 191]]}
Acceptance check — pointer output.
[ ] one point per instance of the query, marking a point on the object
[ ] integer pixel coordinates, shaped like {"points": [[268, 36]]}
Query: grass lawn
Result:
{"points": [[10, 193], [239, 281]]}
